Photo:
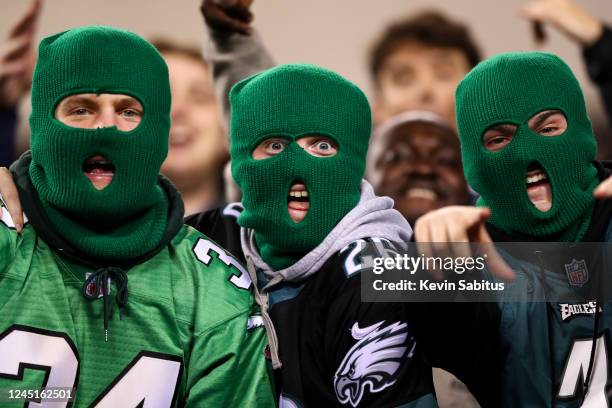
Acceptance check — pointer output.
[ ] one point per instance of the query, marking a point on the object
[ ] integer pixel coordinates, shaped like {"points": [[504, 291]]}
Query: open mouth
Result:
{"points": [[298, 202], [421, 193], [99, 170], [538, 187]]}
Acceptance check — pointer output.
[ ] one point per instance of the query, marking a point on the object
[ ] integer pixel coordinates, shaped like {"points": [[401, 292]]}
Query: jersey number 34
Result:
{"points": [[149, 380]]}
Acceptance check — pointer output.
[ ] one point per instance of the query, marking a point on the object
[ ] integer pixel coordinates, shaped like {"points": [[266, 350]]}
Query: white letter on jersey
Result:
{"points": [[576, 370]]}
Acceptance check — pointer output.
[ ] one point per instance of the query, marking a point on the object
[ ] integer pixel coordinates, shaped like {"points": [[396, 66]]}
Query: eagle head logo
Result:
{"points": [[374, 361]]}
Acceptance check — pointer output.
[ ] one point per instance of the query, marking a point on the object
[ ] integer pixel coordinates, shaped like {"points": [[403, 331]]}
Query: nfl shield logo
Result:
{"points": [[92, 289], [577, 273]]}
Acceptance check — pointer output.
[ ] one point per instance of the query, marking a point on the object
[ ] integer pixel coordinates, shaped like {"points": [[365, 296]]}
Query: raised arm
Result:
{"points": [[233, 48]]}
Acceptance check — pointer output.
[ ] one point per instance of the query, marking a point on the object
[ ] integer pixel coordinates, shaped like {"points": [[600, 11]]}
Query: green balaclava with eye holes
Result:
{"points": [[293, 101], [510, 89], [127, 218]]}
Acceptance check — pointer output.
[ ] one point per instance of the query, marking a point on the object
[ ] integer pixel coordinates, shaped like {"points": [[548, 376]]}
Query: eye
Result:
{"points": [[389, 157], [351, 372], [448, 160], [496, 143], [80, 111], [402, 79], [498, 136], [548, 129], [269, 147], [324, 147], [445, 74], [399, 153], [131, 114], [321, 147], [548, 123], [498, 140], [202, 95], [275, 146]]}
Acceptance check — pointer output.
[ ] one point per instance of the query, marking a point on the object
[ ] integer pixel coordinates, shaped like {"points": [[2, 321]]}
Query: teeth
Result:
{"points": [[534, 178], [422, 193], [298, 194]]}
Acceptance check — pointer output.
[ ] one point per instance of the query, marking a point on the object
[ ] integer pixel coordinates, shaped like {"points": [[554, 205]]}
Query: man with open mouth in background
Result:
{"points": [[415, 158]]}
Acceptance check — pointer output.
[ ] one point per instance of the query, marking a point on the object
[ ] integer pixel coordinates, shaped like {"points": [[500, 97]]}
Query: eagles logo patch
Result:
{"points": [[373, 363]]}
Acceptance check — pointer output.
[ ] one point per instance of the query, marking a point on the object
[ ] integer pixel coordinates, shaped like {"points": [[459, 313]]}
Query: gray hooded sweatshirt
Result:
{"points": [[372, 217]]}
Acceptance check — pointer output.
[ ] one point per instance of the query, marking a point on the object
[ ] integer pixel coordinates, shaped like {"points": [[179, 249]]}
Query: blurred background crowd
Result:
{"points": [[408, 57]]}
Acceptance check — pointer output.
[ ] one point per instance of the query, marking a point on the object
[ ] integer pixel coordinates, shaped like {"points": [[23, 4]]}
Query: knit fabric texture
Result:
{"points": [[293, 101], [128, 217], [511, 88]]}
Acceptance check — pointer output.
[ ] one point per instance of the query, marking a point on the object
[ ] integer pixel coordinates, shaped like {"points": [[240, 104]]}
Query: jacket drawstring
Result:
{"points": [[101, 284], [262, 300]]}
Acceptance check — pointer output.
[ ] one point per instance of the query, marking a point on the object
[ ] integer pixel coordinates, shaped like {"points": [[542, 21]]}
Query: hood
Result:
{"points": [[372, 217]]}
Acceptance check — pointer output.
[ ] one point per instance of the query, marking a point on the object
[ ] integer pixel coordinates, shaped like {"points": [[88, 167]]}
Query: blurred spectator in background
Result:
{"points": [[17, 60], [198, 145], [417, 63], [415, 158]]}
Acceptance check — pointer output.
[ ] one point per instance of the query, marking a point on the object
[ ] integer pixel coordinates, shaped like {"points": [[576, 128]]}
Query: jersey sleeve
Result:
{"points": [[227, 364], [376, 358], [8, 238], [228, 367]]}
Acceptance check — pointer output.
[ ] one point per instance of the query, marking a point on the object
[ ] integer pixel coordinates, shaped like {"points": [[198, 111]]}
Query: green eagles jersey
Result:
{"points": [[187, 336]]}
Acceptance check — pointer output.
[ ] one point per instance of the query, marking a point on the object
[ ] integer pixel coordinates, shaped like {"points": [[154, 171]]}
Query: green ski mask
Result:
{"points": [[512, 88], [128, 217], [292, 101]]}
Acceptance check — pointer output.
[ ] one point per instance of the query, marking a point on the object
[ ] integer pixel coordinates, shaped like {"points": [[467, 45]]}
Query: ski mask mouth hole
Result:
{"points": [[539, 190], [99, 170], [298, 201]]}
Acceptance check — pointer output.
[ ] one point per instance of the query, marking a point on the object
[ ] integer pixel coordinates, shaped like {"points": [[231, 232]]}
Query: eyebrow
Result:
{"points": [[441, 57], [502, 127], [397, 66], [73, 101], [77, 100], [541, 117], [129, 101]]}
